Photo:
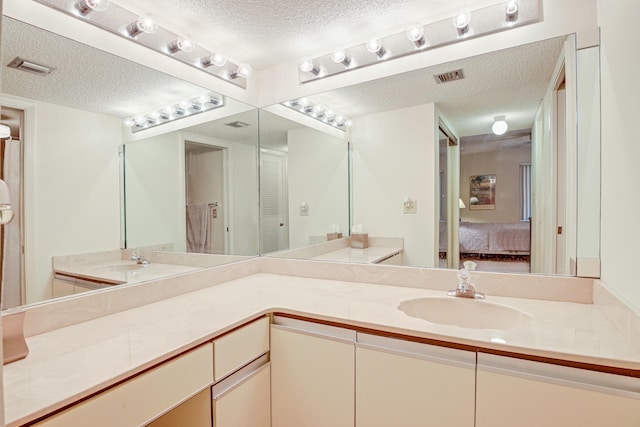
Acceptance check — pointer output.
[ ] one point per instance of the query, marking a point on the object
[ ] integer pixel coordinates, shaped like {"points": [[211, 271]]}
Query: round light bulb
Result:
{"points": [[128, 122], [304, 102], [184, 45], [374, 46], [244, 70], [338, 56], [416, 33], [306, 65], [170, 110], [218, 60], [499, 126], [84, 7], [461, 22], [146, 25], [139, 120]]}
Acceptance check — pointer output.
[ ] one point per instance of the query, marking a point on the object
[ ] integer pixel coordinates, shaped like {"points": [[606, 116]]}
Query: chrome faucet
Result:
{"points": [[465, 289], [138, 258]]}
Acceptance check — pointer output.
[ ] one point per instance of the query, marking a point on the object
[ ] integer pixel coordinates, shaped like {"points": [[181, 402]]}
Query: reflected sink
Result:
{"points": [[117, 268], [465, 313]]}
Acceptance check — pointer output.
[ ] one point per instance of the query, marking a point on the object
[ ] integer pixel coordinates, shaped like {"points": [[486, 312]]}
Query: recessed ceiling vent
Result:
{"points": [[237, 124], [30, 66], [449, 76]]}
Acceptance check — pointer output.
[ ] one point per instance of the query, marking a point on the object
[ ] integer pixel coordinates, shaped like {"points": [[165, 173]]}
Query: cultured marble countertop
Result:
{"points": [[73, 362], [370, 255], [122, 271]]}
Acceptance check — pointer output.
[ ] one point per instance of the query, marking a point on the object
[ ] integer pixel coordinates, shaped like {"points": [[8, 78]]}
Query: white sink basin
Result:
{"points": [[117, 268], [465, 313]]}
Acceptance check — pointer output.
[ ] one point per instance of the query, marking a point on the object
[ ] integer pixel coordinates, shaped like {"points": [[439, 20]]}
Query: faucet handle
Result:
{"points": [[470, 265], [135, 255]]}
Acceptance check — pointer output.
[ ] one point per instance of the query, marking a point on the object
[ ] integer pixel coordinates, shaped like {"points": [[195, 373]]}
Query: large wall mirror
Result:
{"points": [[69, 165], [428, 169]]}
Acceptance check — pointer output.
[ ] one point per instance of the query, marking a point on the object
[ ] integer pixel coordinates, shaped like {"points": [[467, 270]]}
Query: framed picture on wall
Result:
{"points": [[482, 192]]}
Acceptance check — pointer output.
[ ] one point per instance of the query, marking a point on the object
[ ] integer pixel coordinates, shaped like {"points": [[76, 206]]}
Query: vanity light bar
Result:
{"points": [[418, 38], [318, 112], [173, 112], [117, 20]]}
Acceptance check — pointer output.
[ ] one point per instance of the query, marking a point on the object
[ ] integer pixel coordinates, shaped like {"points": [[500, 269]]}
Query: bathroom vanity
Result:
{"points": [[306, 322]]}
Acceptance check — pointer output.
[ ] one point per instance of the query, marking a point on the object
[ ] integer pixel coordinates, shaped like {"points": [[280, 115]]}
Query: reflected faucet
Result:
{"points": [[465, 289], [138, 258]]}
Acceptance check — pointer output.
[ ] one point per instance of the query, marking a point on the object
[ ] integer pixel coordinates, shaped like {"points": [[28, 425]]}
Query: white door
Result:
{"points": [[273, 201]]}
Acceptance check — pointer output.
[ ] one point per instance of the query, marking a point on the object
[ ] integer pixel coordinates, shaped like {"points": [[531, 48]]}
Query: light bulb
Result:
{"points": [[500, 126], [141, 25], [215, 59], [304, 102], [307, 66], [340, 57], [129, 122], [180, 45], [461, 22], [84, 7], [340, 120], [318, 111], [244, 70], [375, 46], [416, 35], [139, 120], [511, 12]]}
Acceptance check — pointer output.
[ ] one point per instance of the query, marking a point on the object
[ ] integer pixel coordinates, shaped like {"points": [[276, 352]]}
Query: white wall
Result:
{"points": [[318, 175], [72, 200], [620, 66], [386, 146], [155, 192], [505, 165]]}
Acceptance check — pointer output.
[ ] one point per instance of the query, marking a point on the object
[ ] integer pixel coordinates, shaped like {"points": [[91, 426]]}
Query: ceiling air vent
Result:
{"points": [[449, 76], [30, 66], [237, 124]]}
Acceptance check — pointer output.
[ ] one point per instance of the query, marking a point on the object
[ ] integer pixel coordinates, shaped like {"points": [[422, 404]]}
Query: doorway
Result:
{"points": [[11, 234], [206, 199], [273, 201]]}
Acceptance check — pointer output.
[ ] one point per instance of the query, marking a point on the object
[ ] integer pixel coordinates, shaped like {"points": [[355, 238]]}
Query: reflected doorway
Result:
{"points": [[273, 201], [11, 234], [206, 198]]}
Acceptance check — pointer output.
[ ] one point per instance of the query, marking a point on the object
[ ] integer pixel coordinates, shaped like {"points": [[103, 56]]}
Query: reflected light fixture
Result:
{"points": [[178, 45], [499, 126], [318, 112], [416, 35], [85, 7], [340, 57], [139, 26], [375, 46], [187, 107], [511, 12], [307, 66], [461, 204], [461, 22]]}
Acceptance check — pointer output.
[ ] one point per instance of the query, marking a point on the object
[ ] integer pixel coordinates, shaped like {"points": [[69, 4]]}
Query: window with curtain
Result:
{"points": [[525, 191]]}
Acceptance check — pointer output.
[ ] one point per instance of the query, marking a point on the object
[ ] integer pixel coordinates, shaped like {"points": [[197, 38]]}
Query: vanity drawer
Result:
{"points": [[142, 398], [236, 349]]}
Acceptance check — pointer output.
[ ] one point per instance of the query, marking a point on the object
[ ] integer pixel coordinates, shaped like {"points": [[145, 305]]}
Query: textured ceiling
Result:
{"points": [[269, 32], [84, 77], [509, 82]]}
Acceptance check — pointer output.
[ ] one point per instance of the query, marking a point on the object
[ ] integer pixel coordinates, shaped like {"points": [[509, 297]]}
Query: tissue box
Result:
{"points": [[334, 236], [360, 241]]}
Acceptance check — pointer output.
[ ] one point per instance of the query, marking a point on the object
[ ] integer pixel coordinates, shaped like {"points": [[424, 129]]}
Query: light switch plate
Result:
{"points": [[411, 209]]}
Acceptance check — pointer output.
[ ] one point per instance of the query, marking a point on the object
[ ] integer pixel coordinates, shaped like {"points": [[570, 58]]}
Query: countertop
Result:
{"points": [[370, 255], [122, 271], [70, 363]]}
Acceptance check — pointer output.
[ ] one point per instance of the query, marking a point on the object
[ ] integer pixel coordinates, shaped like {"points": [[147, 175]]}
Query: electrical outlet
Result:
{"points": [[411, 207]]}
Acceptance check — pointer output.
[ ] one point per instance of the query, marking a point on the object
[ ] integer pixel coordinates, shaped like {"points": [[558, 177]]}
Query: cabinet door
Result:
{"points": [[400, 383], [312, 379], [195, 412], [528, 394], [246, 404]]}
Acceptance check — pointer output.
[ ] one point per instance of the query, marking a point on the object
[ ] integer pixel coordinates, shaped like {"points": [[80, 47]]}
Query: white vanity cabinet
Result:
{"points": [[312, 374], [411, 384], [144, 397], [241, 395], [514, 392]]}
